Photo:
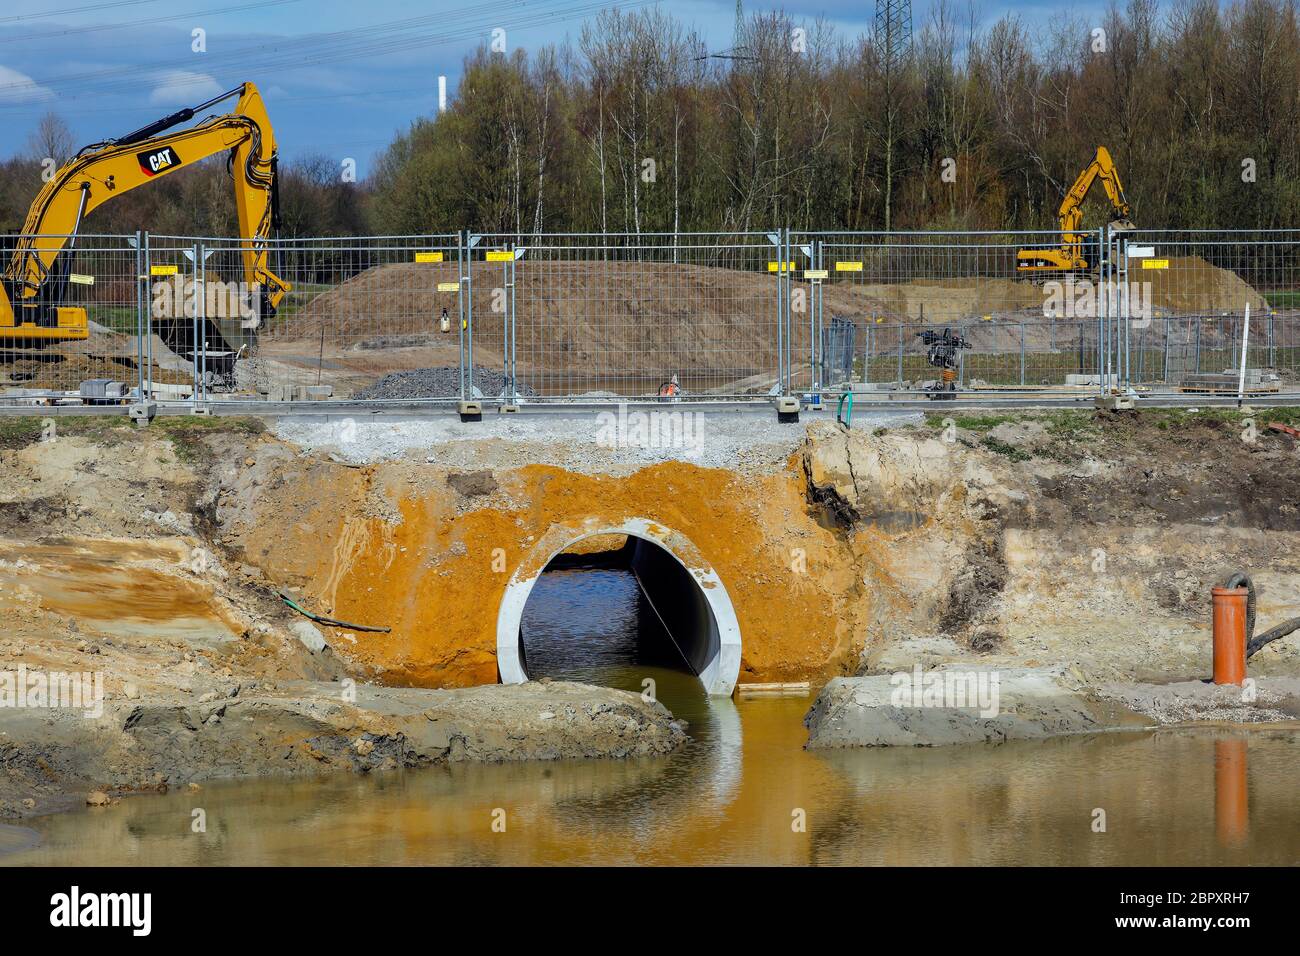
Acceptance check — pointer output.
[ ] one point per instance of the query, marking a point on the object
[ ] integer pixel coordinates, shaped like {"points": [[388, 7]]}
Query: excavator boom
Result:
{"points": [[1070, 256], [30, 294]]}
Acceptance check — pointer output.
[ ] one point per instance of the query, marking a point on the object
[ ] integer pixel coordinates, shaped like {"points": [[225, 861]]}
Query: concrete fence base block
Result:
{"points": [[142, 413], [787, 408], [1113, 403]]}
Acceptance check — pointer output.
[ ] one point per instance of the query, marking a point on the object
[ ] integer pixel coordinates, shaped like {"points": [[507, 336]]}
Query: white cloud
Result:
{"points": [[182, 88], [18, 87]]}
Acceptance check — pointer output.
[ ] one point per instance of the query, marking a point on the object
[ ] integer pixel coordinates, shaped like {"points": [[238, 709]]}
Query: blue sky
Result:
{"points": [[340, 76]]}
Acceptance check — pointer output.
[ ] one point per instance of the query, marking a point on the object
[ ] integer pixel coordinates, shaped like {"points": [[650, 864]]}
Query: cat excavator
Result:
{"points": [[1077, 252], [34, 311]]}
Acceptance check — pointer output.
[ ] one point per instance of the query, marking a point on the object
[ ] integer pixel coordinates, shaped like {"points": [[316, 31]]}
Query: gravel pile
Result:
{"points": [[441, 382]]}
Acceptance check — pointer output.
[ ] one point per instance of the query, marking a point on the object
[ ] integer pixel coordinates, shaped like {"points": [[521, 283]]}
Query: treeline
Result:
{"points": [[639, 126], [314, 201], [798, 126]]}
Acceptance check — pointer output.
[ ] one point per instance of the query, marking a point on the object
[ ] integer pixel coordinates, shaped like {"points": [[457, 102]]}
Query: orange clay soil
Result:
{"points": [[394, 545]]}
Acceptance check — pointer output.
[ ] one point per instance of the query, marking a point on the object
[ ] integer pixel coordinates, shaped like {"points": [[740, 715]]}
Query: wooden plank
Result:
{"points": [[787, 689]]}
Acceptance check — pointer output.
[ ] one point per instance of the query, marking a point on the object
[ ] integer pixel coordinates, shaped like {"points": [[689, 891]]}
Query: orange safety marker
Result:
{"points": [[1229, 635]]}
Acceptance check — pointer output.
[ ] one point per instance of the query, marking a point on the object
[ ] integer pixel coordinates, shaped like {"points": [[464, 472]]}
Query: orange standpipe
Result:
{"points": [[1229, 635]]}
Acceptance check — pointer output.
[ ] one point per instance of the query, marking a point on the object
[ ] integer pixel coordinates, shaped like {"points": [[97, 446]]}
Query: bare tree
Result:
{"points": [[52, 139]]}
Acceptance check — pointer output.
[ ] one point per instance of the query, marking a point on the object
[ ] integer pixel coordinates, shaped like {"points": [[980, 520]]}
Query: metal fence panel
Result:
{"points": [[554, 317], [1025, 328], [1192, 289], [375, 319], [74, 322], [619, 316]]}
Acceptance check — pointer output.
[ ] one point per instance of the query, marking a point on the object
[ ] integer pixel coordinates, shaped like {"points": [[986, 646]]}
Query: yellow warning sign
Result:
{"points": [[76, 279], [500, 255], [162, 270], [848, 266], [1155, 263], [780, 267], [428, 257], [448, 286], [816, 274]]}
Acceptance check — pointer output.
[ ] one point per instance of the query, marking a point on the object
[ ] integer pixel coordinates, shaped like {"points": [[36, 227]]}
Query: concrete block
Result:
{"points": [[787, 408], [956, 704], [142, 413], [103, 390], [470, 411], [1113, 403], [310, 636]]}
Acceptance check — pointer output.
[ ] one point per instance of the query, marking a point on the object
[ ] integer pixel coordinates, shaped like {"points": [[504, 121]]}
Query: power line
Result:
{"points": [[414, 91], [147, 21], [258, 57], [307, 41], [59, 13]]}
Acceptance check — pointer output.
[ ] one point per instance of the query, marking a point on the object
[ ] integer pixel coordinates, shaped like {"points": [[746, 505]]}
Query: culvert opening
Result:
{"points": [[589, 618], [617, 605]]}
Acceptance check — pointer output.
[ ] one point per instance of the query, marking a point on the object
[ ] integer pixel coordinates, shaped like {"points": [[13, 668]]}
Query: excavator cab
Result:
{"points": [[1079, 252]]}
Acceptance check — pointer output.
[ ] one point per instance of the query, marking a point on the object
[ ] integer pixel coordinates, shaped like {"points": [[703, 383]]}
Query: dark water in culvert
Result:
{"points": [[595, 625], [1202, 796]]}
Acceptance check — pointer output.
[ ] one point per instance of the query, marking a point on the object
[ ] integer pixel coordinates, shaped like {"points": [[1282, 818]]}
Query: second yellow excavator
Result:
{"points": [[34, 284], [1076, 252]]}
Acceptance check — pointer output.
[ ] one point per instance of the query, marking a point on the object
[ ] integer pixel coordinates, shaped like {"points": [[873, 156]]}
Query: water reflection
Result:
{"points": [[1028, 802], [1170, 798]]}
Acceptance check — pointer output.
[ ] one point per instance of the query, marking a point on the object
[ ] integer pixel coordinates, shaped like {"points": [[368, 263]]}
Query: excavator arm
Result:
{"points": [[1070, 256], [30, 292], [1101, 168]]}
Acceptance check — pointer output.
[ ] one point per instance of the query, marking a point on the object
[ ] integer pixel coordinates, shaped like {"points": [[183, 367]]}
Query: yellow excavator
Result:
{"points": [[34, 285], [1077, 252]]}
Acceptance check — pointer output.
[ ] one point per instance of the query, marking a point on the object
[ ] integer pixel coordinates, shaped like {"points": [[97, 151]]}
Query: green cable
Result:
{"points": [[329, 621]]}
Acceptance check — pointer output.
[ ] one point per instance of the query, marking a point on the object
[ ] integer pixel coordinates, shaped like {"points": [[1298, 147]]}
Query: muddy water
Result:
{"points": [[735, 794]]}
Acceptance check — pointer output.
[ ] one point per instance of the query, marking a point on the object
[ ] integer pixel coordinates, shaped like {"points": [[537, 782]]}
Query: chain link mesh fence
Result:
{"points": [[613, 316], [72, 314], [727, 316]]}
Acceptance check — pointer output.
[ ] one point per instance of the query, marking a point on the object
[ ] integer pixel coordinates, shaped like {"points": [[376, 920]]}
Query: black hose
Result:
{"points": [[1253, 643], [1241, 579]]}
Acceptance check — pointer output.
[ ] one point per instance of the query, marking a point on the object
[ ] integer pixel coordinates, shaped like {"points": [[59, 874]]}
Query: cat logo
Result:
{"points": [[158, 161]]}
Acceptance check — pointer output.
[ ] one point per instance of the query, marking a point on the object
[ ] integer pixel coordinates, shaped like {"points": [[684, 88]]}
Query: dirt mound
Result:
{"points": [[1191, 285], [585, 324]]}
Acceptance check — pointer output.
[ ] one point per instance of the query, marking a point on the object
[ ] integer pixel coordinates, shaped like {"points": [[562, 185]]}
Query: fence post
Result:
{"points": [[470, 243], [146, 380], [866, 353], [460, 305], [1022, 354], [509, 341], [783, 299], [816, 328], [200, 315], [1164, 374], [141, 267], [899, 327]]}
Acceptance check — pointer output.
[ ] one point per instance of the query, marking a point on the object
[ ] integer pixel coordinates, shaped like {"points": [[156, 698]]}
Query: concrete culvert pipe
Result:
{"points": [[686, 593]]}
